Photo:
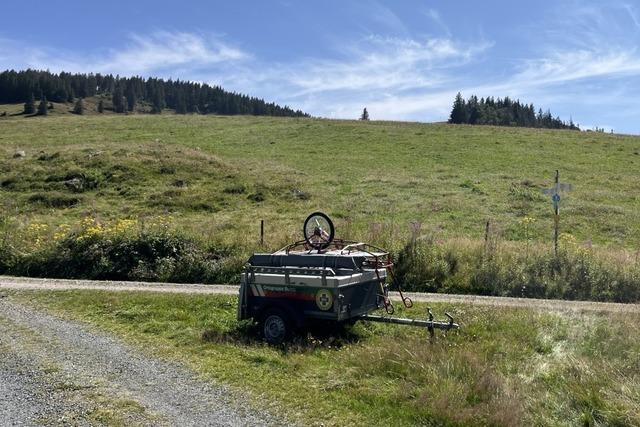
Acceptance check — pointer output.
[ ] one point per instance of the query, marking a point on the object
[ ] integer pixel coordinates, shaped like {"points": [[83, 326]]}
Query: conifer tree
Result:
{"points": [[181, 105], [79, 107], [30, 105], [459, 111], [42, 107], [158, 103], [131, 98], [473, 110], [117, 100]]}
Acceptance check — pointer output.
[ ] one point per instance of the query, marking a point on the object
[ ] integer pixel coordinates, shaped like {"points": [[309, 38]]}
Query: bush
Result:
{"points": [[123, 250], [54, 200]]}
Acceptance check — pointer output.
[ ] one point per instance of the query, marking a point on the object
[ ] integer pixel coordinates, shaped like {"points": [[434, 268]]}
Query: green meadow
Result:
{"points": [[214, 178]]}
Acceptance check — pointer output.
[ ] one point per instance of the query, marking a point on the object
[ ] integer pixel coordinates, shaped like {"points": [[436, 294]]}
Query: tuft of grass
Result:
{"points": [[503, 367]]}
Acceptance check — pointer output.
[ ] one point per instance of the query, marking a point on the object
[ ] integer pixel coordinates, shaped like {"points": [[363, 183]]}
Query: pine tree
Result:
{"points": [[181, 105], [30, 105], [101, 106], [365, 114], [459, 111], [131, 98], [79, 107], [473, 110], [158, 103], [42, 107], [117, 100]]}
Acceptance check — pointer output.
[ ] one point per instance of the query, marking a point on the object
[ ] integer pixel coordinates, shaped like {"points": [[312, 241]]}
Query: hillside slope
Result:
{"points": [[221, 175]]}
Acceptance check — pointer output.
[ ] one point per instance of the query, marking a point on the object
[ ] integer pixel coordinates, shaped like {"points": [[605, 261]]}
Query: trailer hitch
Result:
{"points": [[430, 323]]}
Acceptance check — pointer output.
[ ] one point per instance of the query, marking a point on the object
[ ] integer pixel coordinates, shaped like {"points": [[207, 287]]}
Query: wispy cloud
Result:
{"points": [[382, 63], [631, 10], [160, 52], [435, 17], [166, 50], [385, 17], [572, 65], [371, 72]]}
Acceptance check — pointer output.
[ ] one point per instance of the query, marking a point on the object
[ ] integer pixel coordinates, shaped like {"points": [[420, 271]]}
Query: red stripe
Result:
{"points": [[290, 295]]}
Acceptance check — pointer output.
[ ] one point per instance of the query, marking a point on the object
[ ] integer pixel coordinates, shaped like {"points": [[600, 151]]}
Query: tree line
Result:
{"points": [[127, 92], [504, 112]]}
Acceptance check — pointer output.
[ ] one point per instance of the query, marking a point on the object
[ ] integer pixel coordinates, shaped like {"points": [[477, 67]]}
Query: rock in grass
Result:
{"points": [[75, 184], [19, 154]]}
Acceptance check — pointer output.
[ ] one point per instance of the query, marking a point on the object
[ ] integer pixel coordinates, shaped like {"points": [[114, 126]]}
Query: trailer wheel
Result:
{"points": [[275, 326]]}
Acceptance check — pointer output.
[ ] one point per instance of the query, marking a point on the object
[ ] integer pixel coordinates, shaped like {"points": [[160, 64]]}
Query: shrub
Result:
{"points": [[123, 250], [54, 200]]}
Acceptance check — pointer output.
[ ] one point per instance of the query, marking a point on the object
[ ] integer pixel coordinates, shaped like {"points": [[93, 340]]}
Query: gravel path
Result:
{"points": [[57, 372], [7, 282]]}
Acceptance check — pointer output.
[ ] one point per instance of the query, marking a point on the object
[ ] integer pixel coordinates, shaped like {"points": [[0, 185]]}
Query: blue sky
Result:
{"points": [[403, 60]]}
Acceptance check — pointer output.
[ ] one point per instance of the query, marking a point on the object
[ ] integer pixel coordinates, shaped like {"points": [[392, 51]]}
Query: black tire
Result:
{"points": [[308, 235], [275, 326]]}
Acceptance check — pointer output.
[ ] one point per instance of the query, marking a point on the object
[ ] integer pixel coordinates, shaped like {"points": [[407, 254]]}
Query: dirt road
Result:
{"points": [[17, 283], [58, 372]]}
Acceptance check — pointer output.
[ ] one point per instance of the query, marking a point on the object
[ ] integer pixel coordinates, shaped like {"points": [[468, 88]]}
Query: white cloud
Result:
{"points": [[434, 16], [632, 14], [379, 63], [570, 65], [157, 53], [164, 50], [385, 16]]}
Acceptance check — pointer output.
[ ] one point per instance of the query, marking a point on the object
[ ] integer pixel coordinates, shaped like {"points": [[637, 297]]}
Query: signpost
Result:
{"points": [[554, 192]]}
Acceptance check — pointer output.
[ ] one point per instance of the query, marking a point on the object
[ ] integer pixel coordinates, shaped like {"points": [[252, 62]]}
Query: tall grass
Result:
{"points": [[468, 266], [154, 249], [503, 367]]}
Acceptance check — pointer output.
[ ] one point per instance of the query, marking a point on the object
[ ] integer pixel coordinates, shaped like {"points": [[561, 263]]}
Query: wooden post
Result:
{"points": [[486, 232], [262, 232], [555, 234], [556, 219]]}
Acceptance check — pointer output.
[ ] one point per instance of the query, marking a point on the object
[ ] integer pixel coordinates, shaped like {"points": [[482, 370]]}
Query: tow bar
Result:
{"points": [[430, 324]]}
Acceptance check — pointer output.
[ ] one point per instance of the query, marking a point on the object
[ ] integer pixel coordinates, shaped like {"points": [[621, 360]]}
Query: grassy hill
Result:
{"points": [[217, 176], [225, 173]]}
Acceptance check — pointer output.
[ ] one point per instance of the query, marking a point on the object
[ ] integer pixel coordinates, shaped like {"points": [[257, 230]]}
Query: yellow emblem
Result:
{"points": [[324, 299]]}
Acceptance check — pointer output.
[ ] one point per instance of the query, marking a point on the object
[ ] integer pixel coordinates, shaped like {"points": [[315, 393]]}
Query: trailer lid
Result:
{"points": [[327, 260]]}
